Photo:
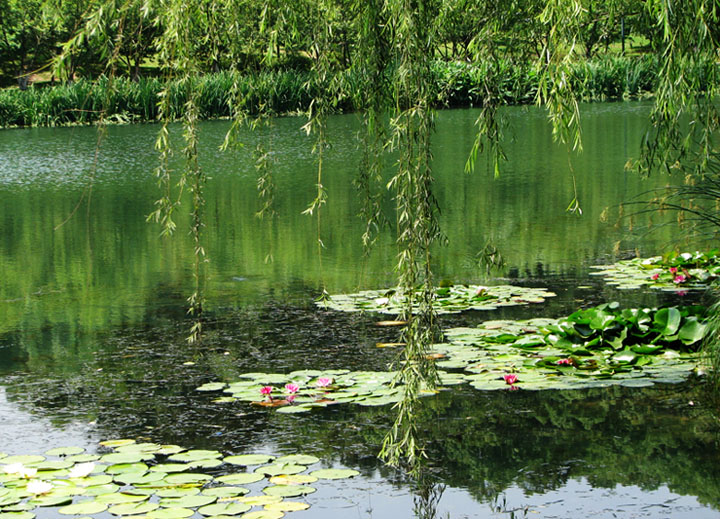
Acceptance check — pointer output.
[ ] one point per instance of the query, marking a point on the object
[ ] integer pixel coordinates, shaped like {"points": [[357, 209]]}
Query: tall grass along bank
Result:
{"points": [[287, 91]]}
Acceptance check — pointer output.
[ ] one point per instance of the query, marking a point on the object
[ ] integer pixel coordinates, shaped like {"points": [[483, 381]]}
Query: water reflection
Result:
{"points": [[92, 337]]}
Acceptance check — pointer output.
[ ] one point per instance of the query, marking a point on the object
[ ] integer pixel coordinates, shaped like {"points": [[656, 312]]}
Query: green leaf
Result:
{"points": [[225, 508], [65, 451], [249, 459], [334, 473], [667, 321], [288, 490], [133, 508], [692, 331], [170, 513], [84, 508], [187, 501], [244, 478]]}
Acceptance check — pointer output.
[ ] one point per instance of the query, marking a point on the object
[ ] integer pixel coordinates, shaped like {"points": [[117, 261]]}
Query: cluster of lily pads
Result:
{"points": [[448, 299], [599, 346], [673, 271], [152, 481], [301, 391]]}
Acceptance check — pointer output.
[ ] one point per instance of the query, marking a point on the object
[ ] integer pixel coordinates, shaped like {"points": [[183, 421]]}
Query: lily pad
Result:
{"points": [[225, 508], [293, 479], [249, 459], [65, 451], [133, 508], [187, 478], [225, 491], [195, 455], [170, 513], [187, 501], [243, 478], [276, 469], [334, 473], [116, 443], [84, 508], [288, 490], [259, 500], [299, 459]]}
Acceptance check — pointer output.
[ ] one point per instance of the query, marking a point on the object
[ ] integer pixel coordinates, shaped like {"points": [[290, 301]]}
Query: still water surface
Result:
{"points": [[92, 303]]}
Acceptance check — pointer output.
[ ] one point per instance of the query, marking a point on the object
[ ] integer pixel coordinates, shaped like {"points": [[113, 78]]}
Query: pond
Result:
{"points": [[92, 340]]}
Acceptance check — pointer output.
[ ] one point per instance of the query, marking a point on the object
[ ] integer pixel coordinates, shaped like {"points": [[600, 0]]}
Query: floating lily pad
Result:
{"points": [[122, 468], [293, 409], [187, 501], [91, 481], [65, 451], [187, 478], [195, 455], [17, 515], [50, 501], [170, 467], [276, 469], [140, 447], [126, 457], [83, 458], [334, 473], [53, 465], [84, 507], [116, 443], [170, 513], [139, 478], [225, 508], [97, 490], [293, 479], [177, 492], [288, 490], [117, 498], [225, 491], [259, 500], [212, 386], [133, 508], [249, 459], [244, 478]]}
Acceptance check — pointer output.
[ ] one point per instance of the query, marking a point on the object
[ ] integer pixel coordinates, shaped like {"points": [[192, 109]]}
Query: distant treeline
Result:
{"points": [[291, 91]]}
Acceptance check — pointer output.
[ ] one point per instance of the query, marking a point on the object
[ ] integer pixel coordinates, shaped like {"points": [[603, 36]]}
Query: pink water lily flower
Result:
{"points": [[673, 270], [266, 390], [655, 276], [290, 398], [323, 382], [510, 378], [292, 388], [561, 362], [680, 278]]}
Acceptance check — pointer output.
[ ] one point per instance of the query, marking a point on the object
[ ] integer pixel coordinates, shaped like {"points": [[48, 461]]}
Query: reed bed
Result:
{"points": [[288, 91]]}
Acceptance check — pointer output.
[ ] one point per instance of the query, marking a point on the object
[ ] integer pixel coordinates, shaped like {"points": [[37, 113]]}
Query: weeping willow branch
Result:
{"points": [[411, 128], [370, 99]]}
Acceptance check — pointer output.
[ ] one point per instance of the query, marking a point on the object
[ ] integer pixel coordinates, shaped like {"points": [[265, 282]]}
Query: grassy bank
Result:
{"points": [[83, 102]]}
